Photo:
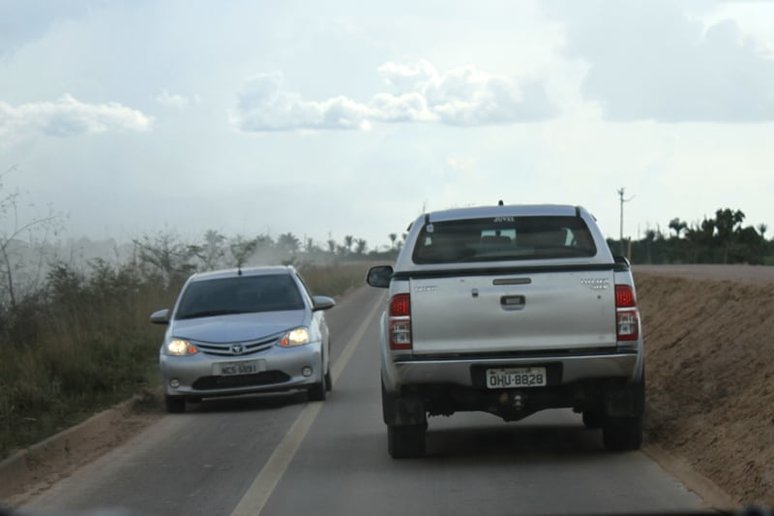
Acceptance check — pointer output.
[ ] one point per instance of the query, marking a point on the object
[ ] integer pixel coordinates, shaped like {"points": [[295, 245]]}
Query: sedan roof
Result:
{"points": [[245, 271]]}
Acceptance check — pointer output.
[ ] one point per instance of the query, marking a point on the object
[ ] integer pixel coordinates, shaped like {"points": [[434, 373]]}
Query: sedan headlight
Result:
{"points": [[179, 348], [296, 337]]}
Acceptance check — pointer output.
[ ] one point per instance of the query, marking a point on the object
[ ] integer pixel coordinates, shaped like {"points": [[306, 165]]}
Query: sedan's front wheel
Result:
{"points": [[328, 381], [318, 391], [174, 404]]}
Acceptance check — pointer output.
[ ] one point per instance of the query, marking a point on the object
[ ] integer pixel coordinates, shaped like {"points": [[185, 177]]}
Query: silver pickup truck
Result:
{"points": [[509, 310]]}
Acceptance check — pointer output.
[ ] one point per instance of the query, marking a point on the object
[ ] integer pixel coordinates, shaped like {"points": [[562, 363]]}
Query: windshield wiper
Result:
{"points": [[210, 313]]}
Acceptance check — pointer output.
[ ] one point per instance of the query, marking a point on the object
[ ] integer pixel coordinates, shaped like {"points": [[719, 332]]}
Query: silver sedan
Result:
{"points": [[243, 331]]}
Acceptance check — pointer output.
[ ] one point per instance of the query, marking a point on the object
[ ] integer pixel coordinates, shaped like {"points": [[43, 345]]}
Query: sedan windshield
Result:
{"points": [[241, 294]]}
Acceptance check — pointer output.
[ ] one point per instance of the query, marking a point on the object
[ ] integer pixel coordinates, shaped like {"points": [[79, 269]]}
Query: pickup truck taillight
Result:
{"points": [[400, 322], [626, 313]]}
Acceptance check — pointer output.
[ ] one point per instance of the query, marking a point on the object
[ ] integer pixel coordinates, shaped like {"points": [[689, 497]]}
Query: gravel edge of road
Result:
{"points": [[713, 496], [34, 469]]}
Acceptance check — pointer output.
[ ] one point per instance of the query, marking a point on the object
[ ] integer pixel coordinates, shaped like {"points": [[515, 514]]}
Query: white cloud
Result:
{"points": [[67, 117], [656, 60], [263, 106], [461, 96], [461, 164], [469, 96], [176, 101]]}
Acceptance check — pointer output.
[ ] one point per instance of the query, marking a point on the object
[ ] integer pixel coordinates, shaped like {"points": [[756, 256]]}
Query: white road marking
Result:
{"points": [[260, 490]]}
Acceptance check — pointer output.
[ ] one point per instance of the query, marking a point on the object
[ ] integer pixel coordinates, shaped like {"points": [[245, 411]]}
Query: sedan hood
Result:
{"points": [[237, 327]]}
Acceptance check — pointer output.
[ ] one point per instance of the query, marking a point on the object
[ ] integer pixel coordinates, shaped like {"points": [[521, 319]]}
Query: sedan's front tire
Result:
{"points": [[174, 404], [318, 391], [328, 381]]}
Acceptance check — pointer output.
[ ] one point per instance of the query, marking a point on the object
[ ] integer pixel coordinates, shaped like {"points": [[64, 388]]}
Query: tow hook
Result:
{"points": [[514, 400]]}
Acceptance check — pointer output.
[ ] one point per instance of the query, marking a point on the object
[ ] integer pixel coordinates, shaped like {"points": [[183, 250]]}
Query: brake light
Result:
{"points": [[626, 313], [400, 305], [400, 322], [624, 296]]}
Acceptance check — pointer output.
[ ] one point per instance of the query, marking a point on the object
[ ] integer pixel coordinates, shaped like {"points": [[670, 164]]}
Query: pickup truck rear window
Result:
{"points": [[503, 238]]}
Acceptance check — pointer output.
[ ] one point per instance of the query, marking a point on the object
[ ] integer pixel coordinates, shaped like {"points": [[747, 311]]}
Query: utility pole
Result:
{"points": [[621, 197]]}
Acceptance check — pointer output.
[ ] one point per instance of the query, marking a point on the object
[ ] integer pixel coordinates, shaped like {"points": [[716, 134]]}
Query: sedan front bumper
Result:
{"points": [[279, 369]]}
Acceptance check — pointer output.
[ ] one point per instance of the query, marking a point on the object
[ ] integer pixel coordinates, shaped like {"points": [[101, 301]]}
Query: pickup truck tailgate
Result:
{"points": [[513, 312]]}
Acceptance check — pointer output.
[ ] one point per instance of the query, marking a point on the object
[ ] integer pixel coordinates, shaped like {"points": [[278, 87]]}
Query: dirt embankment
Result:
{"points": [[710, 372]]}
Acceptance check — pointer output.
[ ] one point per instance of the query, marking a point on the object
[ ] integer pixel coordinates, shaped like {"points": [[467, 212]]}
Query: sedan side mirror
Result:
{"points": [[380, 276], [160, 317], [322, 303]]}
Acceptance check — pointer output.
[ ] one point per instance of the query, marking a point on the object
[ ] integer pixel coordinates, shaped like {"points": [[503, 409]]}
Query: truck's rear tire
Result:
{"points": [[592, 419], [406, 441], [622, 433]]}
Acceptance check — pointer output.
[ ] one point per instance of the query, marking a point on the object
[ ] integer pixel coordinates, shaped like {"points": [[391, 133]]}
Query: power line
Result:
{"points": [[622, 200]]}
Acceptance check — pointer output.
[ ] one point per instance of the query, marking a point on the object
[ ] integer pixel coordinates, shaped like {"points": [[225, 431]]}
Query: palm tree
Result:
{"points": [[288, 242]]}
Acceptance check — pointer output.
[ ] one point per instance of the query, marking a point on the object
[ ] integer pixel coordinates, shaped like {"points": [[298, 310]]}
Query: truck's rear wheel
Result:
{"points": [[406, 441], [622, 433], [592, 419]]}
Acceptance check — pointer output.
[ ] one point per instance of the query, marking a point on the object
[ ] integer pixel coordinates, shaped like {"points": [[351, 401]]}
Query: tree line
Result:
{"points": [[722, 239]]}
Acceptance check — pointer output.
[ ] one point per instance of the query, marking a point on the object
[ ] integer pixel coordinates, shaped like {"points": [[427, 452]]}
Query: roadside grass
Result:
{"points": [[335, 279], [85, 343], [77, 348]]}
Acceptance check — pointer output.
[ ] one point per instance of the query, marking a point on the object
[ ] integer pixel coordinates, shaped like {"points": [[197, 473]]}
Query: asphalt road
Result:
{"points": [[279, 455]]}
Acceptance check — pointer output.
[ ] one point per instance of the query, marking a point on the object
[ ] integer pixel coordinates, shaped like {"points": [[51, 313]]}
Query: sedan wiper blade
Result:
{"points": [[209, 313]]}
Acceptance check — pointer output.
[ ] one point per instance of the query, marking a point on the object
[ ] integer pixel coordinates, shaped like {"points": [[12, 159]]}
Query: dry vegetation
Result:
{"points": [[84, 341]]}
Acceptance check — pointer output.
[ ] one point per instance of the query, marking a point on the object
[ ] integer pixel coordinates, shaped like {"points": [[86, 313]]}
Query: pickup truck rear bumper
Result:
{"points": [[413, 370]]}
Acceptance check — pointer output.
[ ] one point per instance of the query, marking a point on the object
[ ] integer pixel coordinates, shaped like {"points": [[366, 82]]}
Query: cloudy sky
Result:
{"points": [[348, 117]]}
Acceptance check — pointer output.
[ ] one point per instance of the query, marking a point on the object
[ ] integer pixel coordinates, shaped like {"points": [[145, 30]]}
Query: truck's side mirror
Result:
{"points": [[379, 276]]}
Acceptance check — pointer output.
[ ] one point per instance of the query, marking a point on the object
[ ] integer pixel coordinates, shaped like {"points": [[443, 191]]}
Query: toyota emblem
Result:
{"points": [[237, 349]]}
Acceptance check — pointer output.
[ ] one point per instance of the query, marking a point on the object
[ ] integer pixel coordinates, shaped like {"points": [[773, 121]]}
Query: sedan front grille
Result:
{"points": [[237, 348], [242, 380]]}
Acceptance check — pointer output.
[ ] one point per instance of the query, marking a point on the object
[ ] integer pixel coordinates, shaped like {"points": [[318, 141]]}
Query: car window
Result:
{"points": [[241, 294], [503, 238]]}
